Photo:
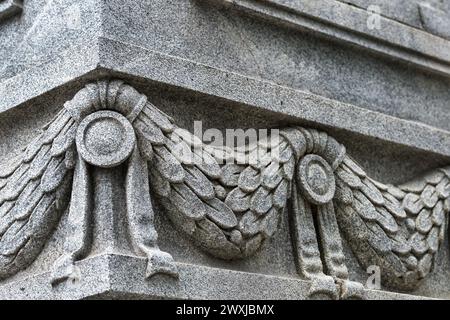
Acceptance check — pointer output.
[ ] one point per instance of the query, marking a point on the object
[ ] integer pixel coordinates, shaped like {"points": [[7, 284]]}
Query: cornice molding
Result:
{"points": [[264, 95], [342, 22]]}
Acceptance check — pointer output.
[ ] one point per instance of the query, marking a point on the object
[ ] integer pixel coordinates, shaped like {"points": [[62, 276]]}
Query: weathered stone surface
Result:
{"points": [[109, 277], [115, 185]]}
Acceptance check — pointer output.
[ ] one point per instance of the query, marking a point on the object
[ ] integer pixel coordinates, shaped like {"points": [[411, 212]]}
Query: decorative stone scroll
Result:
{"points": [[227, 201]]}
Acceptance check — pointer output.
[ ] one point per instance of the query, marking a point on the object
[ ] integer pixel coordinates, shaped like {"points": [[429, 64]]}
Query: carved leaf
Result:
{"points": [[238, 200], [423, 221], [249, 224], [271, 176], [438, 214], [261, 202], [372, 192], [403, 225], [163, 121], [34, 195], [149, 131], [208, 165], [199, 183], [249, 179], [187, 202], [168, 165], [221, 214], [230, 174], [280, 195]]}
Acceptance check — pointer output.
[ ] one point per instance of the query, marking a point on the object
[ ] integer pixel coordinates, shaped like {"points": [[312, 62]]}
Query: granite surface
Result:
{"points": [[181, 61], [113, 277], [405, 11]]}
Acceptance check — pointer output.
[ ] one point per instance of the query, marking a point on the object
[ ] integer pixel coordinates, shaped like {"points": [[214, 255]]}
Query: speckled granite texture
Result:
{"points": [[101, 205]]}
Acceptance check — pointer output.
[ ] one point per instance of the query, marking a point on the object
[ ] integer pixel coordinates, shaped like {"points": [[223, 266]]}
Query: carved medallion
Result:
{"points": [[105, 139], [316, 179]]}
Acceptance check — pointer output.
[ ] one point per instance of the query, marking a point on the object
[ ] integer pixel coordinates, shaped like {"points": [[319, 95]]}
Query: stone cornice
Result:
{"points": [[348, 24], [82, 65]]}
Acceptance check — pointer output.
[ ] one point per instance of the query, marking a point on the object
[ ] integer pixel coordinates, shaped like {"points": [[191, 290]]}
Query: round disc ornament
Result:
{"points": [[105, 139], [316, 179]]}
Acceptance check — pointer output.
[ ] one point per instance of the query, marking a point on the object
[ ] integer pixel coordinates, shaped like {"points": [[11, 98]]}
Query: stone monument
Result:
{"points": [[120, 175]]}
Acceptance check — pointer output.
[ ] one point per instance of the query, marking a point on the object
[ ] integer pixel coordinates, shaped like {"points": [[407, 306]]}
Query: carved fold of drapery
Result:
{"points": [[227, 201]]}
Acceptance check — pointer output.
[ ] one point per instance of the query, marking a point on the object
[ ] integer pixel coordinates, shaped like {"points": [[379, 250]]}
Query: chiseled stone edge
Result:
{"points": [[106, 57], [75, 63], [9, 8], [118, 276], [349, 24], [266, 95]]}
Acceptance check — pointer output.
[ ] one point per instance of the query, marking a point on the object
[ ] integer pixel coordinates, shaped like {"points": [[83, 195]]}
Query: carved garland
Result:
{"points": [[227, 209]]}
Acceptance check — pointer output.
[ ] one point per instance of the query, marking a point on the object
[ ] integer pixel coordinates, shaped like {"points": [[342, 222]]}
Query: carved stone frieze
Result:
{"points": [[227, 201]]}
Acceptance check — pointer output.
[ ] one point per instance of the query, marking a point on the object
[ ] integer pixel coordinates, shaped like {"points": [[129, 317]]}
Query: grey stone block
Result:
{"points": [[109, 277], [116, 198]]}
